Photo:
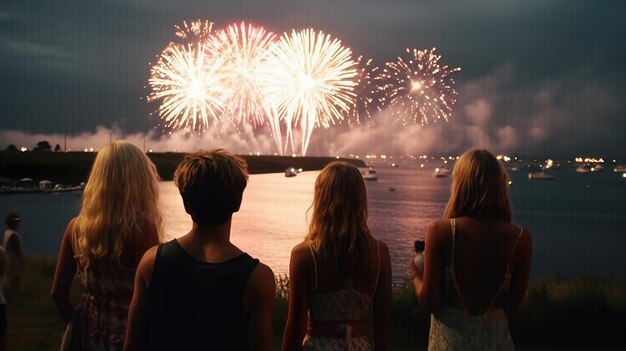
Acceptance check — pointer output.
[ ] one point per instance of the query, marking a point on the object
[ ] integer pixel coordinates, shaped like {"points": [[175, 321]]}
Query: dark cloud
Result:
{"points": [[538, 77]]}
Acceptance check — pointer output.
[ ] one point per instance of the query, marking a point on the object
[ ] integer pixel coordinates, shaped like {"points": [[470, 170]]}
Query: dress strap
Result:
{"points": [[453, 228], [451, 273], [506, 282], [312, 249]]}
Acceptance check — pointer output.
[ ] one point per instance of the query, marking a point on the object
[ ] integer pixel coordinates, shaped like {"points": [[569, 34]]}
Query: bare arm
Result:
{"points": [[382, 303], [137, 337], [259, 297], [146, 238], [64, 275], [3, 261], [520, 275], [299, 288], [14, 245], [428, 288]]}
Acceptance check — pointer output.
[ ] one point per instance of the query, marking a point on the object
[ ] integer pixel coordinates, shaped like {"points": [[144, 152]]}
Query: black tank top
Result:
{"points": [[198, 305]]}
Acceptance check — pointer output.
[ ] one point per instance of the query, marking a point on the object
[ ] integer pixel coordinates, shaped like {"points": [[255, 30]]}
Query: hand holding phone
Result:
{"points": [[420, 245]]}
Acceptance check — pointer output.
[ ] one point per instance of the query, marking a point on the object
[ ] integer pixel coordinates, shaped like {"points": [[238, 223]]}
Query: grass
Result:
{"points": [[559, 314]]}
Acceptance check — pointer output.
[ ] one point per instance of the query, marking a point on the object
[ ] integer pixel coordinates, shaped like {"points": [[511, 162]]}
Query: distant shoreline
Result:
{"points": [[72, 168]]}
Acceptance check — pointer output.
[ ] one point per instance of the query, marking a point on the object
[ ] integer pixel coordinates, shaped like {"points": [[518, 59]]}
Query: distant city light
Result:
{"points": [[23, 149]]}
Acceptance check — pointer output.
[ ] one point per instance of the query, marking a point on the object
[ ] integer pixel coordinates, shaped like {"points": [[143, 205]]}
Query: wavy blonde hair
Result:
{"points": [[122, 193], [338, 227], [479, 188]]}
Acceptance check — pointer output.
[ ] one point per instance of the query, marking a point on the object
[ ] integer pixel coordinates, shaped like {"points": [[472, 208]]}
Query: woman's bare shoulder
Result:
{"points": [[301, 252], [438, 232]]}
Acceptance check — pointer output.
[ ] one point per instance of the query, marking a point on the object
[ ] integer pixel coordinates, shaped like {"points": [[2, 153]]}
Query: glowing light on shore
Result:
{"points": [[309, 82], [418, 89]]}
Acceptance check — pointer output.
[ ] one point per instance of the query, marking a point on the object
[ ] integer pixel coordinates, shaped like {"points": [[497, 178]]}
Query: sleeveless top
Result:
{"points": [[455, 329], [107, 291], [194, 303], [340, 320]]}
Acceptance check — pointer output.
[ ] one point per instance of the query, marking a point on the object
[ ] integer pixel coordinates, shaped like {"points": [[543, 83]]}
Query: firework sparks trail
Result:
{"points": [[244, 50], [309, 82], [367, 92], [194, 31], [187, 80], [419, 89]]}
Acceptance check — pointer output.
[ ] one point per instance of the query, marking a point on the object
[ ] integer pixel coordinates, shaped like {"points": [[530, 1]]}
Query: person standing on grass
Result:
{"points": [[15, 253], [476, 263], [3, 301], [118, 221], [340, 275], [200, 291]]}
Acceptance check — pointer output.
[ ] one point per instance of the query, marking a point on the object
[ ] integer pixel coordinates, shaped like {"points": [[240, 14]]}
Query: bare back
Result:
{"points": [[486, 256]]}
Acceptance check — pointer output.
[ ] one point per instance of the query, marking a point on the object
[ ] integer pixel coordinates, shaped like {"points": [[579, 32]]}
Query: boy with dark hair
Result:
{"points": [[200, 290]]}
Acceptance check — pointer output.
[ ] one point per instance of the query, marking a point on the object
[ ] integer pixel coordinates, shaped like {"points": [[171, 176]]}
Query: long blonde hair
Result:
{"points": [[121, 194], [338, 227], [479, 188]]}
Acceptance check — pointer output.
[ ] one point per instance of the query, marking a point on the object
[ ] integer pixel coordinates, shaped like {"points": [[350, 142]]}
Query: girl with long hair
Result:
{"points": [[476, 262], [340, 275], [118, 221]]}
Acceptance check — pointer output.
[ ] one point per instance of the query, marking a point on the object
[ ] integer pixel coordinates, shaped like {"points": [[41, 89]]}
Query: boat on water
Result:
{"points": [[620, 169], [586, 168], [59, 188], [543, 175], [441, 172], [369, 173], [291, 172]]}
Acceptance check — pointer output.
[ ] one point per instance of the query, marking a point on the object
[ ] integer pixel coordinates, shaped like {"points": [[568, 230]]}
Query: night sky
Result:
{"points": [[544, 78]]}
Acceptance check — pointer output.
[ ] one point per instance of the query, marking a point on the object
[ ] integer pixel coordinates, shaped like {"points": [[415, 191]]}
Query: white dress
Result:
{"points": [[454, 329]]}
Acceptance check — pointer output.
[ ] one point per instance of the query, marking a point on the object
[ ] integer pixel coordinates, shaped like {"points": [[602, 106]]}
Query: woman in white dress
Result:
{"points": [[476, 263]]}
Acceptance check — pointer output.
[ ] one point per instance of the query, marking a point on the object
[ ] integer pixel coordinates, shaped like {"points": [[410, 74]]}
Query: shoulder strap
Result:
{"points": [[312, 249], [453, 228], [451, 274], [157, 261], [507, 270]]}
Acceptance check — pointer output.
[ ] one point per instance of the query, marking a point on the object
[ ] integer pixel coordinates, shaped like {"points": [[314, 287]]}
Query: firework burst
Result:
{"points": [[419, 89], [309, 82], [244, 50], [367, 93], [194, 31], [187, 81]]}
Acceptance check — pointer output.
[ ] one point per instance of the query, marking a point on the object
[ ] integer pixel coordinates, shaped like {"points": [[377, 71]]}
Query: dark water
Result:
{"points": [[578, 221]]}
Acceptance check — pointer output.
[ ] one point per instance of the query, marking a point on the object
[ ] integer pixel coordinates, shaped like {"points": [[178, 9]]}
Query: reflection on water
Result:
{"points": [[273, 215], [271, 219], [577, 220]]}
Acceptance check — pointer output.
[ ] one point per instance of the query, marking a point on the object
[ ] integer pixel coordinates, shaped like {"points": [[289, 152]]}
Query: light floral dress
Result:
{"points": [[340, 320]]}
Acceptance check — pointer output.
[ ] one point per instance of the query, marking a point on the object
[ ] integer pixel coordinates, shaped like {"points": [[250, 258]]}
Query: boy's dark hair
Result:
{"points": [[211, 184]]}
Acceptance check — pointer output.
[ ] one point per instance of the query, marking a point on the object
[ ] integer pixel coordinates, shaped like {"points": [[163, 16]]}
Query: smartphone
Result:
{"points": [[420, 245]]}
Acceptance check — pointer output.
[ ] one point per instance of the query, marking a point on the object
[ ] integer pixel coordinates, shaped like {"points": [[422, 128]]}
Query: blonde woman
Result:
{"points": [[119, 220], [340, 275], [476, 263]]}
